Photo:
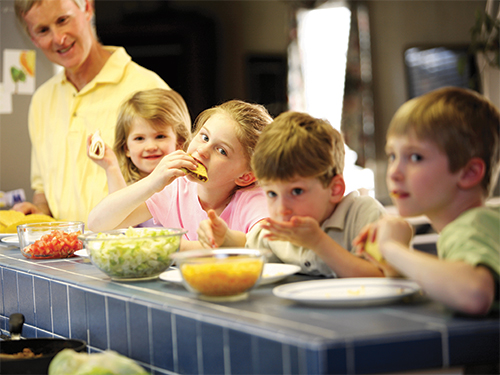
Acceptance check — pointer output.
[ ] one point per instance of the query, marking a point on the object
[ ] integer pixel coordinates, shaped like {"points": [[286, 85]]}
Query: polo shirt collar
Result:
{"points": [[337, 220], [111, 72]]}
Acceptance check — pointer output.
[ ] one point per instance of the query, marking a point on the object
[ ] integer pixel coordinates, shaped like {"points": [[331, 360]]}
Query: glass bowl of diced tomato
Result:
{"points": [[224, 274], [51, 240]]}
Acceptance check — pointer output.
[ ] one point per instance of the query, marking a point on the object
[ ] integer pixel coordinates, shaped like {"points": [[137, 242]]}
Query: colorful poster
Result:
{"points": [[19, 71]]}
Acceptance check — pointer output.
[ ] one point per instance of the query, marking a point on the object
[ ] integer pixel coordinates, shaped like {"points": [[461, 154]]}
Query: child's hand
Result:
{"points": [[170, 167], [109, 158], [381, 233], [301, 231], [212, 232], [393, 228]]}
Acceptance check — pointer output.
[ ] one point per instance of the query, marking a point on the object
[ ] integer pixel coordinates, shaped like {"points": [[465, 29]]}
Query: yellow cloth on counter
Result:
{"points": [[61, 119], [10, 219]]}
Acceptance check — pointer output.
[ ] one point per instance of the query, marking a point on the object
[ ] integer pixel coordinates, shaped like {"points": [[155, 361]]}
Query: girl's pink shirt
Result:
{"points": [[178, 206]]}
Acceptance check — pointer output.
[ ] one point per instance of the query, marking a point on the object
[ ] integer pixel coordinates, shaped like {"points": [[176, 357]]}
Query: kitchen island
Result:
{"points": [[167, 330]]}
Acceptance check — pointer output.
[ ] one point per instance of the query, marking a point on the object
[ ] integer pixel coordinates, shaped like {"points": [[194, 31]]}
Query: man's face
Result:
{"points": [[62, 31]]}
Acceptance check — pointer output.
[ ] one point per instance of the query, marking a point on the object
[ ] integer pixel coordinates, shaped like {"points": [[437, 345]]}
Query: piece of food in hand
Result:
{"points": [[371, 247], [200, 173], [97, 146]]}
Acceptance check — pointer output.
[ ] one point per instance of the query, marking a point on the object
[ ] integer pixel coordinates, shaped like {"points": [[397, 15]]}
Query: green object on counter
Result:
{"points": [[69, 362], [135, 253]]}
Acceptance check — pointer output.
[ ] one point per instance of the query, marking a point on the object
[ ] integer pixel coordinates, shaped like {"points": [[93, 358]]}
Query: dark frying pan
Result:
{"points": [[47, 347]]}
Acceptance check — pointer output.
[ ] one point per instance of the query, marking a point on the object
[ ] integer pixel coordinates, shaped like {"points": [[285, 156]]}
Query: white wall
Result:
{"points": [[396, 25]]}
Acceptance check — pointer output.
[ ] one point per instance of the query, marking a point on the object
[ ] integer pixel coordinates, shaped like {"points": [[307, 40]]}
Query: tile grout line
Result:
{"points": [[227, 351], [150, 336], [174, 342], [199, 347], [69, 311], [106, 317]]}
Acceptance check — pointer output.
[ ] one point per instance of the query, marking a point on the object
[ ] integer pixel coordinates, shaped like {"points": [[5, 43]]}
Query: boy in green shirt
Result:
{"points": [[443, 159]]}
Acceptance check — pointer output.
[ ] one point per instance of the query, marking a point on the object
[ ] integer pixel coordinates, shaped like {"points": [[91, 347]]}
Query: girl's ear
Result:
{"points": [[245, 179], [127, 152], [337, 188], [472, 174]]}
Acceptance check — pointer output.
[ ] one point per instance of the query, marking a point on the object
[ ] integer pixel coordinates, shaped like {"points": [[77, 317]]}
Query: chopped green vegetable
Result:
{"points": [[138, 252]]}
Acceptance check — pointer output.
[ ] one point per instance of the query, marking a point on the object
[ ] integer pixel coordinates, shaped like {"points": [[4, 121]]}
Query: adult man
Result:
{"points": [[73, 104]]}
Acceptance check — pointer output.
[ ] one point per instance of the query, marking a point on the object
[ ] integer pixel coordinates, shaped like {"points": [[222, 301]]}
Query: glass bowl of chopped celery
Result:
{"points": [[219, 275], [133, 254], [50, 240]]}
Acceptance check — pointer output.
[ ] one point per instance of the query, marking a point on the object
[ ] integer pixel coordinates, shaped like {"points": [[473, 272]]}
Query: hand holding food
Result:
{"points": [[97, 146], [169, 168], [372, 247], [200, 172]]}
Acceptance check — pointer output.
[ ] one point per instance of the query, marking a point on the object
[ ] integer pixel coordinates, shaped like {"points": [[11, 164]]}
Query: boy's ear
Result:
{"points": [[472, 174], [337, 188], [245, 179]]}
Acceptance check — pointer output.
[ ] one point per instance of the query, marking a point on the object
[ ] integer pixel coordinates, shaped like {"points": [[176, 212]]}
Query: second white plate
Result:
{"points": [[81, 253], [10, 240], [347, 292], [272, 272]]}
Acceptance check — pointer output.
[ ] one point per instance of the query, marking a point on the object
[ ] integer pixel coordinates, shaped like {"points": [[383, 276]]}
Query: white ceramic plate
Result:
{"points": [[81, 253], [10, 240], [347, 292], [272, 272]]}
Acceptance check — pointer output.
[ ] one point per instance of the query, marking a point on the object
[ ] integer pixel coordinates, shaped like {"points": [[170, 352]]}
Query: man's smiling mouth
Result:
{"points": [[64, 50]]}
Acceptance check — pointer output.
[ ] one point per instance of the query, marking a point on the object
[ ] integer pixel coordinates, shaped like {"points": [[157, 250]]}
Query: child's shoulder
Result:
{"points": [[473, 238], [252, 194], [355, 201], [475, 231], [489, 214], [355, 207]]}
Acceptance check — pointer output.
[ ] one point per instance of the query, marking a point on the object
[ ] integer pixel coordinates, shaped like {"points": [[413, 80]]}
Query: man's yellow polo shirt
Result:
{"points": [[61, 119]]}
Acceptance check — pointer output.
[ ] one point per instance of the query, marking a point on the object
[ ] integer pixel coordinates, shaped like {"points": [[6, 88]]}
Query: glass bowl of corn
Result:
{"points": [[219, 275]]}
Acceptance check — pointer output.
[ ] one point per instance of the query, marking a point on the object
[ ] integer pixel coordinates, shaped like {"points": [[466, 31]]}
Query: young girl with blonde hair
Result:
{"points": [[223, 142], [151, 124]]}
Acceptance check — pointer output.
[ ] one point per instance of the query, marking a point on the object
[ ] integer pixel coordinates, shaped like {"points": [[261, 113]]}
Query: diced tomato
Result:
{"points": [[56, 244]]}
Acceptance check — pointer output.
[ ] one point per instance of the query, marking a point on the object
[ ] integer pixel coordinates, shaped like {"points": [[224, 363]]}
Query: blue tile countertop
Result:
{"points": [[166, 330]]}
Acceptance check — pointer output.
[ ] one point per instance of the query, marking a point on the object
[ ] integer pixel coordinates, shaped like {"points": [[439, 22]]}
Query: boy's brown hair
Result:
{"points": [[462, 123], [297, 144]]}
